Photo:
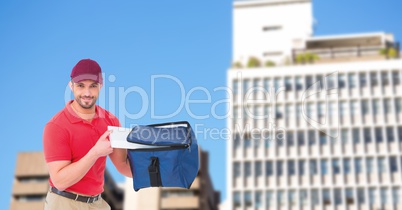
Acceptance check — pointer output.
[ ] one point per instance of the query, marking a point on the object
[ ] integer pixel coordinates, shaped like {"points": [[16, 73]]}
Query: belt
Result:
{"points": [[76, 197]]}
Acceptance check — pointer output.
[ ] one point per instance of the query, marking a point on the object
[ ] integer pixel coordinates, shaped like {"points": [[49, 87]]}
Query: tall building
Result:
{"points": [[316, 121], [200, 196], [31, 184]]}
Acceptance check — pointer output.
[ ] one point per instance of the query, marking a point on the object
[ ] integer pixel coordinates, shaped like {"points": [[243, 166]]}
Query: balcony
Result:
{"points": [[344, 54]]}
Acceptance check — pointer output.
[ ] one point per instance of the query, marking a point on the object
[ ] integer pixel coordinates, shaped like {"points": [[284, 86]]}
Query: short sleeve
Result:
{"points": [[56, 143], [115, 121]]}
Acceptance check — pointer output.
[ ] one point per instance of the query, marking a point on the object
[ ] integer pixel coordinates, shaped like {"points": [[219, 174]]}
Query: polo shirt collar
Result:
{"points": [[74, 118]]}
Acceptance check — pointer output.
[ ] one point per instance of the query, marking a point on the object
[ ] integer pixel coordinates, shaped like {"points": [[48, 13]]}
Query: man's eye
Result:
{"points": [[80, 86], [94, 86]]}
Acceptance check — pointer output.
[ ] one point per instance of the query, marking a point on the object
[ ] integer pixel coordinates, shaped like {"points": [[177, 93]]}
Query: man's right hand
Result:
{"points": [[102, 146]]}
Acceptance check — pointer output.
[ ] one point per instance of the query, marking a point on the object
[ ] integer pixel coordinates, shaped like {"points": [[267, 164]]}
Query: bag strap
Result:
{"points": [[154, 173]]}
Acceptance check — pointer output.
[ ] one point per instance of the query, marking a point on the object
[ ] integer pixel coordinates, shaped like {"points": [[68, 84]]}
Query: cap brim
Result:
{"points": [[83, 77]]}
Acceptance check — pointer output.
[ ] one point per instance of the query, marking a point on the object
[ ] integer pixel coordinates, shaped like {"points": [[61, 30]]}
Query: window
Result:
{"points": [[280, 198], [338, 196], [400, 133], [382, 167], [376, 107], [292, 197], [349, 196], [354, 108], [398, 105], [395, 78], [258, 199], [235, 87], [360, 196], [330, 81], [247, 169], [303, 197], [246, 85], [288, 84], [236, 169], [247, 199], [363, 80], [365, 107], [356, 135], [277, 83], [313, 167], [343, 108], [390, 134], [289, 138], [315, 199], [387, 106], [396, 192], [269, 198], [384, 195], [321, 109], [247, 142], [373, 79], [393, 165], [278, 111], [370, 165], [367, 135], [324, 167], [236, 141], [384, 78], [352, 80], [326, 197], [269, 168], [378, 135], [346, 166], [279, 168], [345, 136], [311, 137], [320, 82], [299, 83], [257, 169], [309, 82], [236, 199], [372, 194], [310, 110], [358, 166], [336, 169], [341, 81], [291, 168], [267, 86], [300, 138], [302, 167], [323, 138]]}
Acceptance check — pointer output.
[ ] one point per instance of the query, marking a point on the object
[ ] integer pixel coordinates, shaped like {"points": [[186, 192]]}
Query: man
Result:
{"points": [[76, 144]]}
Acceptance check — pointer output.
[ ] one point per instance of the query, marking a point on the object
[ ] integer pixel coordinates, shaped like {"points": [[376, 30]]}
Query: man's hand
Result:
{"points": [[102, 147]]}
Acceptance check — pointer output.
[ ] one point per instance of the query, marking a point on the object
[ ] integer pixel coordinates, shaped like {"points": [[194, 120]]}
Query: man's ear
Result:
{"points": [[71, 85]]}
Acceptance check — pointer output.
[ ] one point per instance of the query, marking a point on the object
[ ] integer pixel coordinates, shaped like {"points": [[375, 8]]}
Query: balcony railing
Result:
{"points": [[354, 53]]}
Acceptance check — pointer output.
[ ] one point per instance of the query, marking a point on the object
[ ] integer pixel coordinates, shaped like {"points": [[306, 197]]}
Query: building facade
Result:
{"points": [[318, 123], [31, 184], [200, 196]]}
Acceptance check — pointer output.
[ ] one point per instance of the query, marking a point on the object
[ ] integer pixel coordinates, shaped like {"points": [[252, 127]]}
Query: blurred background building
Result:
{"points": [[31, 186], [316, 121]]}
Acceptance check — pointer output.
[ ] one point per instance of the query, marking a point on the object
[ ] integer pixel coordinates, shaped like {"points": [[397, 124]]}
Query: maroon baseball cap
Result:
{"points": [[87, 69]]}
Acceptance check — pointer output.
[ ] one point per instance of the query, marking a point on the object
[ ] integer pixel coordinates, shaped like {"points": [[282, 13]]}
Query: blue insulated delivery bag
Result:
{"points": [[170, 159]]}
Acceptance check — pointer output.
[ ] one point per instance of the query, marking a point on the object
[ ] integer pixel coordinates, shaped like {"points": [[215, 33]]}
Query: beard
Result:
{"points": [[86, 105]]}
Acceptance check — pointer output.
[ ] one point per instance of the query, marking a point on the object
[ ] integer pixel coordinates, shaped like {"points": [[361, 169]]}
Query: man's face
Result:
{"points": [[86, 92]]}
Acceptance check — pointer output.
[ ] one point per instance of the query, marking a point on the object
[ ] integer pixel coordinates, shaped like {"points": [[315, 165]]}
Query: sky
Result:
{"points": [[155, 55]]}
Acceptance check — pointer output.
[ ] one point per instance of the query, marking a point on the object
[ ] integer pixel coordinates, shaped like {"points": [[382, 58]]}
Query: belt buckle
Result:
{"points": [[89, 198], [76, 197]]}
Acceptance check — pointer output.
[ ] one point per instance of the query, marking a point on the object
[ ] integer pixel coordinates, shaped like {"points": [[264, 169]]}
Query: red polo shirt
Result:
{"points": [[68, 137]]}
